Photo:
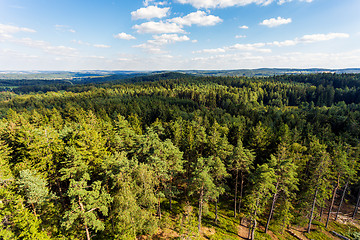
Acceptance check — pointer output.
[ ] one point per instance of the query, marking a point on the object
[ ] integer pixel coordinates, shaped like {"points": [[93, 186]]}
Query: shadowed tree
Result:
{"points": [[318, 185], [285, 178], [241, 163], [262, 181]]}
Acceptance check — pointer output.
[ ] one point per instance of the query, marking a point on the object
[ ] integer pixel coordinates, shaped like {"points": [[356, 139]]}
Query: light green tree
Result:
{"points": [[34, 188], [87, 201]]}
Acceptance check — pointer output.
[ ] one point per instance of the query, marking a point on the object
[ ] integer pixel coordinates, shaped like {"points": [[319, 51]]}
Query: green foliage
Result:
{"points": [[116, 155], [87, 202], [17, 221], [34, 188]]}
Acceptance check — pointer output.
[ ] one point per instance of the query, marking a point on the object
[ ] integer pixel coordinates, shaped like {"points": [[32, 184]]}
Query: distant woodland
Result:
{"points": [[175, 156]]}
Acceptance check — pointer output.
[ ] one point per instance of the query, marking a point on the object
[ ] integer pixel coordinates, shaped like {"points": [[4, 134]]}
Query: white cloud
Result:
{"points": [[101, 46], [240, 36], [231, 3], [280, 2], [158, 27], [322, 37], [223, 3], [46, 47], [150, 12], [285, 43], [169, 38], [124, 36], [274, 22], [150, 48], [213, 50], [90, 44], [244, 27], [155, 45], [199, 18], [310, 39], [147, 2], [257, 47], [250, 47], [64, 28], [6, 31]]}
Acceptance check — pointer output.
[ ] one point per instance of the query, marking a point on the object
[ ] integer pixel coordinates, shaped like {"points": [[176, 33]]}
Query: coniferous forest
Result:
{"points": [[174, 156]]}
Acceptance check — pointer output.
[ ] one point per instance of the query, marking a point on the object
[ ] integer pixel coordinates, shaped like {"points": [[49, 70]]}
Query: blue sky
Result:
{"points": [[178, 34]]}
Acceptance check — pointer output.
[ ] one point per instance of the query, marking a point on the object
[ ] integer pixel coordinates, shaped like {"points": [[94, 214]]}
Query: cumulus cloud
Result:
{"points": [[168, 38], [199, 18], [310, 39], [322, 37], [90, 44], [155, 45], [274, 22], [223, 3], [280, 2], [150, 12], [231, 3], [10, 29], [64, 28], [124, 36], [46, 47], [250, 47], [158, 27], [7, 31], [257, 47], [211, 50], [244, 27], [101, 46], [240, 36]]}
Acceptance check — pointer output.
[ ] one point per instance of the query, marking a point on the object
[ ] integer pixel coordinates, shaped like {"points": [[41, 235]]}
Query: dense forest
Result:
{"points": [[174, 156]]}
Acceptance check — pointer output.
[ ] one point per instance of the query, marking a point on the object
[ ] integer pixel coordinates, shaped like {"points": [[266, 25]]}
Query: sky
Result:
{"points": [[73, 35]]}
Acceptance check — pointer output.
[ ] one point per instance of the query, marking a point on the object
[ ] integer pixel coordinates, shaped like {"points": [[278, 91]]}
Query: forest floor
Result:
{"points": [[229, 228]]}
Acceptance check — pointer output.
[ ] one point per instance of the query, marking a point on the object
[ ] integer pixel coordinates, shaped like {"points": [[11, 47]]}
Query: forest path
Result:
{"points": [[243, 232]]}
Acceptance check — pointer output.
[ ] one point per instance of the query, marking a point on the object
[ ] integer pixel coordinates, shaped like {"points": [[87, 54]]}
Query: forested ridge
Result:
{"points": [[181, 157]]}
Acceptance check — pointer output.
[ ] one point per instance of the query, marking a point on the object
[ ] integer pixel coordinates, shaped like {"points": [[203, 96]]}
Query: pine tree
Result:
{"points": [[205, 171], [262, 181], [241, 162], [34, 188], [87, 201], [318, 185], [285, 179], [166, 161]]}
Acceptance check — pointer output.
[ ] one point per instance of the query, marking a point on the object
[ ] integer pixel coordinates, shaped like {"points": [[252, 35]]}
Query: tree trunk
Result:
{"points": [[216, 210], [342, 199], [332, 203], [357, 206], [272, 207], [85, 225], [159, 209], [236, 187], [87, 232], [321, 213], [253, 230], [241, 190], [34, 210], [312, 211], [170, 203], [200, 207], [252, 237], [250, 227]]}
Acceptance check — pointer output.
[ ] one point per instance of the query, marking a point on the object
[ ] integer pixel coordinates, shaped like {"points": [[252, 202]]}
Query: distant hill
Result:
{"points": [[101, 76]]}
